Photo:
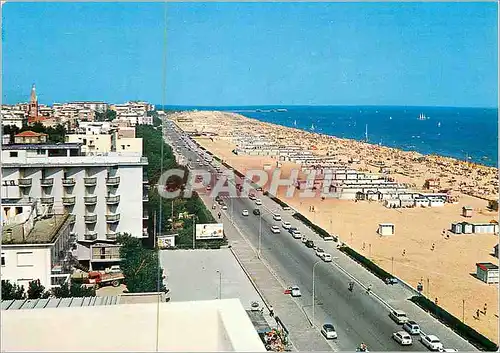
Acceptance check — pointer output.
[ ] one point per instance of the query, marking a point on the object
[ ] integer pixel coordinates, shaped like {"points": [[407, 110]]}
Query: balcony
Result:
{"points": [[113, 181], [25, 182], [69, 182], [90, 200], [90, 218], [47, 200], [111, 236], [90, 181], [145, 180], [112, 218], [90, 235], [113, 200], [47, 182], [68, 200], [145, 198], [72, 219], [145, 216]]}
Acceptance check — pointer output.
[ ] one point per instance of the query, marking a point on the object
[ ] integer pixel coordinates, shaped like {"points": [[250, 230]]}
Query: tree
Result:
{"points": [[73, 290], [140, 266], [12, 291], [36, 290]]}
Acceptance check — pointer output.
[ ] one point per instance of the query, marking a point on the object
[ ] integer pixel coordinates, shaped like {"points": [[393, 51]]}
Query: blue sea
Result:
{"points": [[462, 133]]}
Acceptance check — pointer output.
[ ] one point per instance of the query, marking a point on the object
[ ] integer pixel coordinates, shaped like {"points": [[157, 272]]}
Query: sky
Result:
{"points": [[237, 54]]}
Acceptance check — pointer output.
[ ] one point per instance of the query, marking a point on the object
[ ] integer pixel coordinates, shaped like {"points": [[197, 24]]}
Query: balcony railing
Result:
{"points": [[113, 200], [111, 236], [25, 182], [113, 181], [145, 198], [145, 180], [90, 181], [145, 216], [112, 218], [47, 182], [72, 218], [68, 200], [90, 235], [68, 182], [90, 200], [90, 218], [47, 200]]}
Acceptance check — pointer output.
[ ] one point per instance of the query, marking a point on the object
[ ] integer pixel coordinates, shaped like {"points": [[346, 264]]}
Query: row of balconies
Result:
{"points": [[88, 200], [91, 218], [70, 182], [92, 235]]}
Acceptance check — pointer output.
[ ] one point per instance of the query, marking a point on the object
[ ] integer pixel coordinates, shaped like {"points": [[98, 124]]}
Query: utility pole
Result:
{"points": [[463, 311], [194, 232], [154, 230]]}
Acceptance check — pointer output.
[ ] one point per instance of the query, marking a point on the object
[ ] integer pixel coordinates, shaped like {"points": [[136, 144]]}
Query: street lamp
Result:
{"points": [[194, 231], [314, 266], [220, 284]]}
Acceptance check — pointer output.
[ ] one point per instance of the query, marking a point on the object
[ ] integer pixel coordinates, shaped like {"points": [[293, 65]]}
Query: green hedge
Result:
{"points": [[471, 335], [368, 264], [318, 230]]}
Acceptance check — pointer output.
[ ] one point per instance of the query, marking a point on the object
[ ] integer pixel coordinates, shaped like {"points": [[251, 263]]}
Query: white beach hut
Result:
{"points": [[386, 229]]}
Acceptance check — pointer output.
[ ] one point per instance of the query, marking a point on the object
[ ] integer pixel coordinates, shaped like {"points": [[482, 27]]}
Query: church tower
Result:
{"points": [[33, 107]]}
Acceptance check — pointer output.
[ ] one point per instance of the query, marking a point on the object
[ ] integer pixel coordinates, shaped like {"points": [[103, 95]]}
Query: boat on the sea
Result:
{"points": [[439, 124], [281, 110], [422, 116], [312, 127], [295, 123]]}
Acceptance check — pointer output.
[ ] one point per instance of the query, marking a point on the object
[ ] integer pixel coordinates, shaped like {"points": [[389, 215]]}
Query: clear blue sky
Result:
{"points": [[253, 54]]}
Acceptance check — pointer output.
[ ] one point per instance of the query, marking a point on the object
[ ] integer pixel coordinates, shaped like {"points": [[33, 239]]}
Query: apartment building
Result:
{"points": [[118, 140], [36, 244], [134, 112], [103, 193], [14, 115]]}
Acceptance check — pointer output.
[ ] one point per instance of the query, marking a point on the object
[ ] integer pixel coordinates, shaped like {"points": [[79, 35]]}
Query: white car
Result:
{"points": [[326, 257], [277, 217], [329, 331], [275, 229], [448, 350], [224, 207], [319, 252], [244, 213], [304, 240], [295, 291], [432, 342], [296, 234], [402, 337], [286, 208], [399, 317], [251, 197], [286, 225], [412, 328], [258, 202]]}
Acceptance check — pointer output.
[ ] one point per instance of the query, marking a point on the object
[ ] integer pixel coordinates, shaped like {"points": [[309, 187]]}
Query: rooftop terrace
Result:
{"points": [[44, 231]]}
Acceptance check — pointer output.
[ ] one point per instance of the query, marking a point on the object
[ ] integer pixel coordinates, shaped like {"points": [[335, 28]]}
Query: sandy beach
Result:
{"points": [[420, 249]]}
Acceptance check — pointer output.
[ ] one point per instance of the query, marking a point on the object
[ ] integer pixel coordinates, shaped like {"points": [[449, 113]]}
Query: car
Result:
{"points": [[286, 208], [258, 202], [295, 291], [224, 207], [326, 257], [286, 225], [304, 240], [291, 229], [329, 331], [275, 229], [411, 327], [399, 317], [277, 217], [310, 244], [402, 337], [259, 189], [209, 188], [252, 197], [319, 252], [214, 206], [296, 234], [256, 212], [244, 213], [448, 350], [432, 342]]}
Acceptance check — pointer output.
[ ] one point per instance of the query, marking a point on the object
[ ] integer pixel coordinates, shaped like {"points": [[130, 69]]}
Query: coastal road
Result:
{"points": [[357, 316]]}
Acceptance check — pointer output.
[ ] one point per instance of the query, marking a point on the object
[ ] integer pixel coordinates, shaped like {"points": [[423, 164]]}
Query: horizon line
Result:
{"points": [[323, 105]]}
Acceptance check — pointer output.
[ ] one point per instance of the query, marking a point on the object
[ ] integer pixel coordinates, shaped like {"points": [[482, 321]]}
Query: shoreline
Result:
{"points": [[446, 268]]}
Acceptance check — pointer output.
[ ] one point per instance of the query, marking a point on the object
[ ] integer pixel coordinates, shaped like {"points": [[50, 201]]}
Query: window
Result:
{"points": [[3, 260], [19, 210], [123, 147], [25, 259], [13, 154], [40, 152]]}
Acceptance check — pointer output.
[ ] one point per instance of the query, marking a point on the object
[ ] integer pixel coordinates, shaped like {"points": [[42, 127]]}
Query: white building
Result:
{"points": [[36, 244], [13, 115], [134, 112], [201, 326], [97, 144], [104, 193]]}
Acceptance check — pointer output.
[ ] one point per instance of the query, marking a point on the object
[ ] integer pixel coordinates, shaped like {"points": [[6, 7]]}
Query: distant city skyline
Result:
{"points": [[253, 54]]}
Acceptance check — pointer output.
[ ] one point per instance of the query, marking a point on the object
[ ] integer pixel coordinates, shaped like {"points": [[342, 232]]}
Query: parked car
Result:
{"points": [[258, 202], [295, 291], [277, 217], [319, 252], [304, 240], [402, 337], [411, 327], [326, 257], [329, 331], [224, 207], [286, 208], [252, 197], [448, 350], [398, 316], [296, 234], [256, 212], [286, 225], [275, 229], [432, 342], [310, 244], [244, 213]]}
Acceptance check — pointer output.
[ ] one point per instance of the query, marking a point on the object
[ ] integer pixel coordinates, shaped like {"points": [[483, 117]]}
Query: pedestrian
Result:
{"points": [[271, 311], [477, 313], [436, 301], [433, 247], [404, 252], [484, 308]]}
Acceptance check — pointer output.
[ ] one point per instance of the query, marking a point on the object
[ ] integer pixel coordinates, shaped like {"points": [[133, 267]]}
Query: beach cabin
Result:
{"points": [[360, 196], [392, 203], [487, 272], [436, 202], [432, 184], [386, 229], [484, 228], [458, 228], [421, 202], [467, 211]]}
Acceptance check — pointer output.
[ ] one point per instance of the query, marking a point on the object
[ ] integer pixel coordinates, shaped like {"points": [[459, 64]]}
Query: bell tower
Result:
{"points": [[33, 106]]}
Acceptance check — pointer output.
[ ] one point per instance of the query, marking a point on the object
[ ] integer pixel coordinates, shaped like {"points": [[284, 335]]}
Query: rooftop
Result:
{"points": [[487, 266], [30, 134], [40, 146], [44, 231]]}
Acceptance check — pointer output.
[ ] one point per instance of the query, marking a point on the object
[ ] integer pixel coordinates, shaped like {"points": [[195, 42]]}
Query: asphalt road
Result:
{"points": [[357, 316]]}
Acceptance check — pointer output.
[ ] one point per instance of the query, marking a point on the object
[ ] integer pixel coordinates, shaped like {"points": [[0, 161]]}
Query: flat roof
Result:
{"points": [[487, 266], [44, 231], [221, 325], [42, 146]]}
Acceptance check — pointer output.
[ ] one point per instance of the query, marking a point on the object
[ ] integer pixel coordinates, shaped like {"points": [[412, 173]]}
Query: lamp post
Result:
{"points": [[220, 284], [194, 232], [314, 267]]}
